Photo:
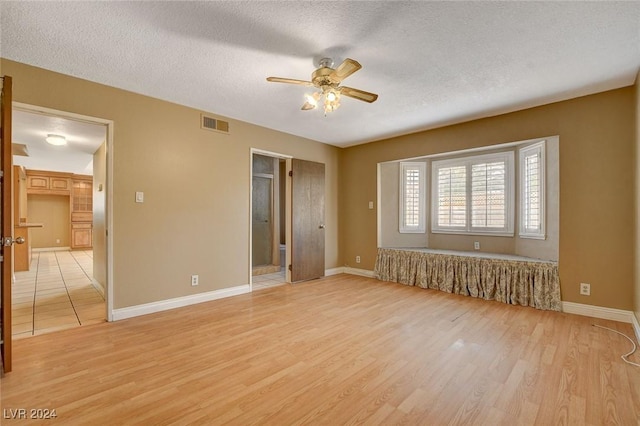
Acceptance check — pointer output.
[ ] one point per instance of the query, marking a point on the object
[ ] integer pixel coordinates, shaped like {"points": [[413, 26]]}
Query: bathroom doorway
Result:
{"points": [[268, 199]]}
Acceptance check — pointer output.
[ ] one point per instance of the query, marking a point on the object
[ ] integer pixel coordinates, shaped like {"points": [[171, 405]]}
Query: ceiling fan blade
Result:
{"points": [[289, 81], [345, 69], [307, 106], [358, 94]]}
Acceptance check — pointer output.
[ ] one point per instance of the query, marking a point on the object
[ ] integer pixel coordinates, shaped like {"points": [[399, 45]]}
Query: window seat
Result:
{"points": [[509, 279]]}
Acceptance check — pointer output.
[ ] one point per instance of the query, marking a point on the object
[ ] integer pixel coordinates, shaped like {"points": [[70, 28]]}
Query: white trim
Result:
{"points": [[360, 272], [378, 205], [97, 286], [636, 326], [178, 302], [43, 249], [334, 271], [598, 312]]}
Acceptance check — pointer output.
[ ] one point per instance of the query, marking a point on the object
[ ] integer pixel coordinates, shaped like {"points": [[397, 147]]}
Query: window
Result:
{"points": [[412, 197], [473, 195], [532, 194]]}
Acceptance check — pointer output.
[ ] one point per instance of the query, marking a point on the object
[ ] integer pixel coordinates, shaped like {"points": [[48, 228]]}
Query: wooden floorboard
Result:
{"points": [[340, 350]]}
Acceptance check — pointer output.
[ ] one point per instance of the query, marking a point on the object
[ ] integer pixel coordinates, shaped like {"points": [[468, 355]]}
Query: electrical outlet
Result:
{"points": [[57, 240], [476, 245], [585, 289], [357, 259], [194, 280]]}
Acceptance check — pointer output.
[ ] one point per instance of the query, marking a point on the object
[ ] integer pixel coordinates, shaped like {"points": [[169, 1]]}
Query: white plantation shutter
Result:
{"points": [[473, 194], [488, 195], [532, 194], [412, 197], [451, 200]]}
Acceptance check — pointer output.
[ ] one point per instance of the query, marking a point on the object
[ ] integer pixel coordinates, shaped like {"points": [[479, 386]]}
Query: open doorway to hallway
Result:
{"points": [[60, 272], [268, 221]]}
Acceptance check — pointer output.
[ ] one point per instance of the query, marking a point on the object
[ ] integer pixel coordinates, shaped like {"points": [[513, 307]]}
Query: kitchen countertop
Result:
{"points": [[30, 225]]}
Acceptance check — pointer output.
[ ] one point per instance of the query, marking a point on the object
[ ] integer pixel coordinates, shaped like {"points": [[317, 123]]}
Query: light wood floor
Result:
{"points": [[341, 350], [56, 293]]}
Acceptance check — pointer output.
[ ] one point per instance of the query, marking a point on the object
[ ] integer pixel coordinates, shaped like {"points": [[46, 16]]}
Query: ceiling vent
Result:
{"points": [[210, 123]]}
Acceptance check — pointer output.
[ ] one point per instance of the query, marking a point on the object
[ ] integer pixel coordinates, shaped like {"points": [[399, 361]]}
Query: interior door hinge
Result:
{"points": [[290, 267], [290, 172]]}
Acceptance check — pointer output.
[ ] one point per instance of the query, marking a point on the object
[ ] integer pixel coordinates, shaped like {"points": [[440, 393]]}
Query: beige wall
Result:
{"points": [[100, 216], [597, 147], [195, 218], [53, 212]]}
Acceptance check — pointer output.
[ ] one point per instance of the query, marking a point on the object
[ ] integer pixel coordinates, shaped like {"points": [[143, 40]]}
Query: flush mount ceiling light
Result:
{"points": [[56, 140], [328, 81]]}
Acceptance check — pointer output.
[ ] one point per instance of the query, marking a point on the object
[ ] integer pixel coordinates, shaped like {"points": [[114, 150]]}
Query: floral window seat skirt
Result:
{"points": [[509, 279]]}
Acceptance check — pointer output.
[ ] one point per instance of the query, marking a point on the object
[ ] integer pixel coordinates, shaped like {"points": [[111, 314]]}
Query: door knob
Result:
{"points": [[321, 226], [8, 241]]}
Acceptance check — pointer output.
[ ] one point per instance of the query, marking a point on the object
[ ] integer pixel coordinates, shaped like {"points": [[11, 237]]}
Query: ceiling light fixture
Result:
{"points": [[56, 140], [330, 101]]}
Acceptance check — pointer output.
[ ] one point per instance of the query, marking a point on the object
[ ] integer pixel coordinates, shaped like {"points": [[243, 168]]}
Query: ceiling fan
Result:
{"points": [[328, 80]]}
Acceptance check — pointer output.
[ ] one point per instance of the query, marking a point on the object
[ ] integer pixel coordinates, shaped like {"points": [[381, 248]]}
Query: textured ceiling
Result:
{"points": [[432, 63]]}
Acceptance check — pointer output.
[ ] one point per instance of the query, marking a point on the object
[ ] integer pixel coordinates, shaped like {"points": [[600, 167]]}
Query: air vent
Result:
{"points": [[210, 123]]}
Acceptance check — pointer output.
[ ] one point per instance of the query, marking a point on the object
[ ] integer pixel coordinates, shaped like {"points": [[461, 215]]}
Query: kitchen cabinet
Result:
{"points": [[81, 235], [79, 191], [48, 183], [81, 212]]}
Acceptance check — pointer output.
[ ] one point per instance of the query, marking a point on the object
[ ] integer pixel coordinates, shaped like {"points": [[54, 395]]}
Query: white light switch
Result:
{"points": [[370, 205], [139, 197]]}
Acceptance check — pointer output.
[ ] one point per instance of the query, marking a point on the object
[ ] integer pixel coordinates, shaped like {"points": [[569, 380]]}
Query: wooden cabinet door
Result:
{"points": [[37, 182], [59, 184], [81, 235]]}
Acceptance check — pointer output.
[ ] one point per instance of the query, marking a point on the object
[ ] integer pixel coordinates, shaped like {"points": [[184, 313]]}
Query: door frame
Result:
{"points": [[287, 214], [19, 106]]}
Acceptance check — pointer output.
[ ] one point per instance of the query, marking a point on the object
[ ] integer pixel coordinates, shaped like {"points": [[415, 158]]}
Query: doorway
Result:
{"points": [[268, 199], [62, 200]]}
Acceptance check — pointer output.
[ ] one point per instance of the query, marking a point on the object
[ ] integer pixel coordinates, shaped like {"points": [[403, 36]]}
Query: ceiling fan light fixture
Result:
{"points": [[327, 80], [56, 140], [311, 99]]}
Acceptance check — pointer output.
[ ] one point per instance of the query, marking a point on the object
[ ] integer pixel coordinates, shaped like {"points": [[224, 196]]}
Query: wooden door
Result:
{"points": [[307, 220], [5, 220]]}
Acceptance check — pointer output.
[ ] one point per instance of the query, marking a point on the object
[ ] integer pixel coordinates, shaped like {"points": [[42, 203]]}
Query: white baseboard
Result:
{"points": [[598, 312], [361, 272], [636, 327], [41, 249], [97, 286], [178, 302], [333, 271]]}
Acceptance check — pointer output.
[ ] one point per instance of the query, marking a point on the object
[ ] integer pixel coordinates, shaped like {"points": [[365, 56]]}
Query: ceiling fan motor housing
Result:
{"points": [[324, 77]]}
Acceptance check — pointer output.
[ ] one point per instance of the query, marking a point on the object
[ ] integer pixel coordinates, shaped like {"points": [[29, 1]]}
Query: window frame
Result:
{"points": [[468, 161], [403, 228], [523, 152]]}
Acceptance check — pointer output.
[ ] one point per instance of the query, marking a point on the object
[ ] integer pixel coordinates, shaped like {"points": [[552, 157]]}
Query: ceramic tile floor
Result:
{"points": [[268, 280], [55, 294]]}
